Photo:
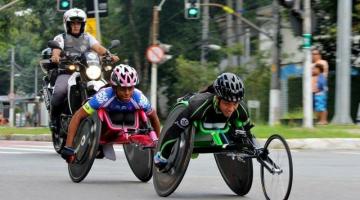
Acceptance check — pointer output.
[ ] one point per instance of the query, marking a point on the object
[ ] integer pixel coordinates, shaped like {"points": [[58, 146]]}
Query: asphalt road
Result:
{"points": [[33, 171]]}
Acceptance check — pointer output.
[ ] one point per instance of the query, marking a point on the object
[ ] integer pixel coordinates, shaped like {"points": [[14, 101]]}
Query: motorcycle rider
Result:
{"points": [[122, 96], [220, 103], [73, 40]]}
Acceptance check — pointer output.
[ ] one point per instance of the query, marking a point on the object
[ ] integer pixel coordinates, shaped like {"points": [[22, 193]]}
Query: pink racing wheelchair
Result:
{"points": [[98, 132]]}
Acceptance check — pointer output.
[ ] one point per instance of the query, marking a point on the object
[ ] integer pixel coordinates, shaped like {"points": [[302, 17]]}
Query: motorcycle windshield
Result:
{"points": [[92, 58]]}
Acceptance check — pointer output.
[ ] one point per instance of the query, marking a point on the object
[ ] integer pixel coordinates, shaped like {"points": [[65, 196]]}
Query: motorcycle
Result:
{"points": [[86, 79]]}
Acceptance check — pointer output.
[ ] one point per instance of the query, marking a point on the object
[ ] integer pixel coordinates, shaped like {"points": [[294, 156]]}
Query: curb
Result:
{"points": [[325, 143], [27, 137], [309, 143]]}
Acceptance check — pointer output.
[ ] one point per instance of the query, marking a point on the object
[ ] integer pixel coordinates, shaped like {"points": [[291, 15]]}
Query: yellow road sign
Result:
{"points": [[91, 26]]}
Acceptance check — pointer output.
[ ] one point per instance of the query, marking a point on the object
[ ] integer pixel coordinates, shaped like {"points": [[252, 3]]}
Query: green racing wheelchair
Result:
{"points": [[233, 159]]}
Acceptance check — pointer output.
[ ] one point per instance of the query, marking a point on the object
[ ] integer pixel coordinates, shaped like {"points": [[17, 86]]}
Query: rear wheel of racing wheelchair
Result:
{"points": [[277, 179], [86, 144], [238, 175], [140, 160], [166, 183]]}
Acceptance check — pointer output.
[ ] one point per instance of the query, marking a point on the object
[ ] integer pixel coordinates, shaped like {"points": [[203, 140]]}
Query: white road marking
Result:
{"points": [[348, 152], [35, 148]]}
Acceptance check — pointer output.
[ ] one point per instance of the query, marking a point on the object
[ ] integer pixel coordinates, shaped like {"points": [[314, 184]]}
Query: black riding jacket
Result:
{"points": [[204, 107]]}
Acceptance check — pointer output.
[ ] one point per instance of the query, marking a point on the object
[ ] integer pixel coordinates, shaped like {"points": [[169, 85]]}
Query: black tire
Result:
{"points": [[166, 183], [279, 153], [140, 161], [86, 143], [57, 141], [238, 175]]}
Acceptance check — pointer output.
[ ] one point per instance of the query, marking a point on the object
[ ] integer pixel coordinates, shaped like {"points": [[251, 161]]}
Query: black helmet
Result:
{"points": [[229, 87]]}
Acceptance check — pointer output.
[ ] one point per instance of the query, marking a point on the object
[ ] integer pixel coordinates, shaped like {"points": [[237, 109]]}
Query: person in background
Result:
{"points": [[319, 89], [317, 59]]}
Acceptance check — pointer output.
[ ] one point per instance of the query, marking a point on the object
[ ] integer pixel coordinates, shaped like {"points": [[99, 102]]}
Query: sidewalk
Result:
{"points": [[311, 143]]}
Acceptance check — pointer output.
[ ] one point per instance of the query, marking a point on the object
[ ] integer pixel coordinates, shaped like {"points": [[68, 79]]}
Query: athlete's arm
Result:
{"points": [[155, 122], [74, 124]]}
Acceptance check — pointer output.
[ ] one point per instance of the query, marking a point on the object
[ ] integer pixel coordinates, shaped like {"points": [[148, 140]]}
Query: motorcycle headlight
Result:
{"points": [[108, 68], [93, 72], [72, 67]]}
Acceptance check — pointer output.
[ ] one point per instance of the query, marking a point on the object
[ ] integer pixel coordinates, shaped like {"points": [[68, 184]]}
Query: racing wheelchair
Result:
{"points": [[103, 129], [233, 159]]}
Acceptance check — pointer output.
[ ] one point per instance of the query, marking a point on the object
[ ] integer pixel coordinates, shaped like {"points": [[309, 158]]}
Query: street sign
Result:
{"points": [[307, 41], [91, 26], [154, 54]]}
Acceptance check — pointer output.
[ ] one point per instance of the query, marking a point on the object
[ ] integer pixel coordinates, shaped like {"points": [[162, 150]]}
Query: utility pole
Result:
{"points": [[274, 112], [97, 18], [307, 92], [36, 82], [205, 32], [247, 45], [154, 38], [12, 94], [37, 98], [155, 29], [240, 32], [230, 33], [343, 81]]}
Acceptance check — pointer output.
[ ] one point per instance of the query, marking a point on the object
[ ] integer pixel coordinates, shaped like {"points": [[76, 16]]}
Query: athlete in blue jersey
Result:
{"points": [[122, 96]]}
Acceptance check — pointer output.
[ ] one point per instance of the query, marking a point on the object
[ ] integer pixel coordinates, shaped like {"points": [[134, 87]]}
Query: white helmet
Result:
{"points": [[74, 14]]}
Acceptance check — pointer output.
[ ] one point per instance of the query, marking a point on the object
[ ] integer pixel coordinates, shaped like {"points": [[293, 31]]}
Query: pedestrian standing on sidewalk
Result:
{"points": [[319, 89]]}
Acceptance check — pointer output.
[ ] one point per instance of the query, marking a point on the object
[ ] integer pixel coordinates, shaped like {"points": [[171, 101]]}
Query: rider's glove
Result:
{"points": [[159, 161], [68, 154]]}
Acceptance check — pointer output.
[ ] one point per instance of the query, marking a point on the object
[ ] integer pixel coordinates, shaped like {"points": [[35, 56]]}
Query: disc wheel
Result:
{"points": [[140, 161], [86, 143], [238, 175], [165, 183], [277, 184]]}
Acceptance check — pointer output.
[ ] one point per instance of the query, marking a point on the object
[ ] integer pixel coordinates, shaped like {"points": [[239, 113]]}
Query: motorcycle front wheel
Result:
{"points": [[57, 141]]}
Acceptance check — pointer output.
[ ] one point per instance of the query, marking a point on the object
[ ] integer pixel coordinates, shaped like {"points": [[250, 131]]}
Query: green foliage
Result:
{"points": [[192, 76]]}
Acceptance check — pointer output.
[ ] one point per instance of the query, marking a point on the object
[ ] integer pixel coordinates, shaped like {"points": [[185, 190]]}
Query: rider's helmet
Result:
{"points": [[124, 76], [229, 87], [74, 14]]}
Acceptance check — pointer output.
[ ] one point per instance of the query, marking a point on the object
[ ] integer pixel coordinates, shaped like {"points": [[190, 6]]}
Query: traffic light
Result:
{"points": [[166, 48], [192, 9], [102, 6], [64, 5], [287, 3]]}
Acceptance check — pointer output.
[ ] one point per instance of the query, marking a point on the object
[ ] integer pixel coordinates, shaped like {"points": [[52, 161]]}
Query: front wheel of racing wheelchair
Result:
{"points": [[276, 168], [166, 182], [86, 144]]}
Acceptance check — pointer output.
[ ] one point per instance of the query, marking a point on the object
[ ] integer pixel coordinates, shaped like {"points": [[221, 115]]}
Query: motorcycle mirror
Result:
{"points": [[53, 44], [114, 43]]}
